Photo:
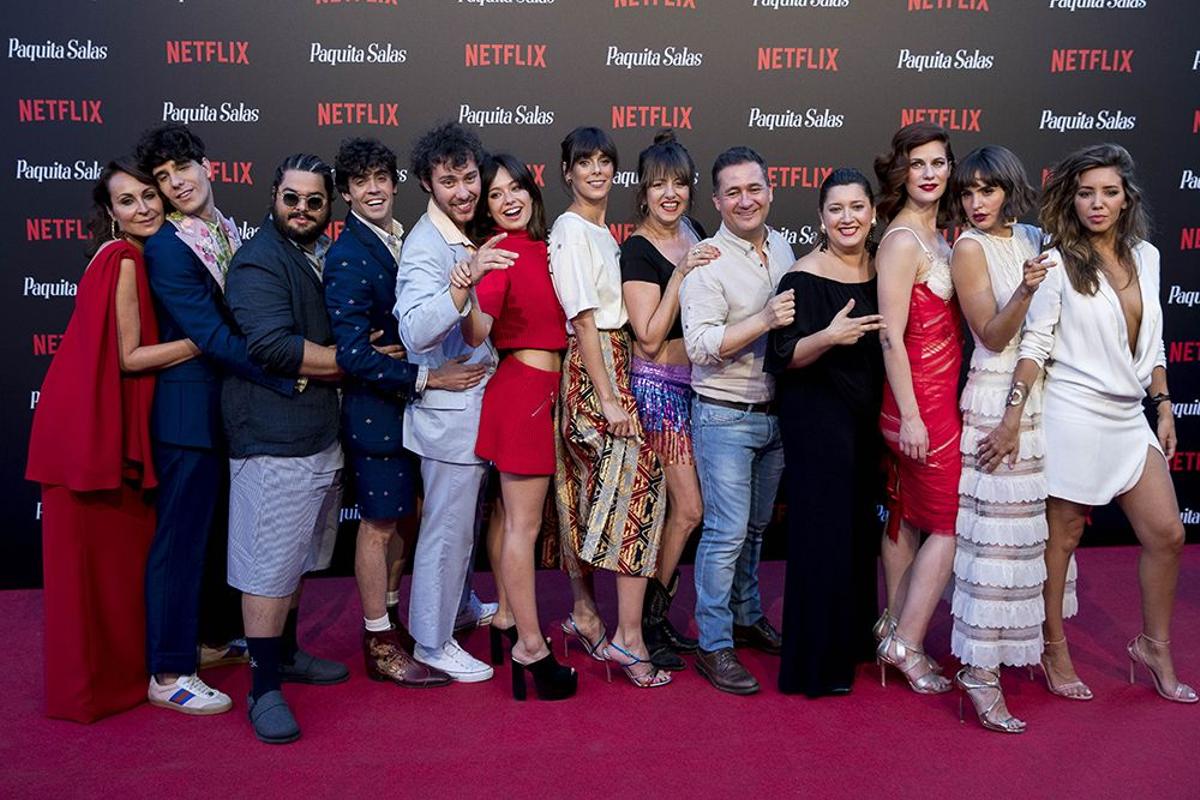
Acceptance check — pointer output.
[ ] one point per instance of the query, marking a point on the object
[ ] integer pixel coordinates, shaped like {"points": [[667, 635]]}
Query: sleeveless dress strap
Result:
{"points": [[910, 230]]}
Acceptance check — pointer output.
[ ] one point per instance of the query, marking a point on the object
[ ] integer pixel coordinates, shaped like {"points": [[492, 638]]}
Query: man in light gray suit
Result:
{"points": [[441, 426]]}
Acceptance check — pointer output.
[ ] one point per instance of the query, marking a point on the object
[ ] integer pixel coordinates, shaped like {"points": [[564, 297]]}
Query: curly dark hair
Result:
{"points": [[169, 142], [992, 165], [482, 227], [358, 156], [891, 169], [449, 143], [100, 218], [1060, 220]]}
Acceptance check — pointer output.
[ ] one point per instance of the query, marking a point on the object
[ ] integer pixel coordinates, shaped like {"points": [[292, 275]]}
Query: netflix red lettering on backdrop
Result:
{"points": [[952, 119], [650, 116], [789, 177], [508, 54], [677, 5], [1063, 59], [208, 51], [235, 172], [357, 113], [54, 229], [46, 344], [821, 59], [949, 5], [44, 109]]}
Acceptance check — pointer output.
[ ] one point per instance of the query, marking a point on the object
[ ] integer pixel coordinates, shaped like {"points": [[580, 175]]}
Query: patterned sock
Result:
{"points": [[264, 664], [288, 645]]}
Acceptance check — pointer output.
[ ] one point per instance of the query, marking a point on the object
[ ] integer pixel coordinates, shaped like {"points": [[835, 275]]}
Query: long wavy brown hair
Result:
{"points": [[1067, 233], [891, 168]]}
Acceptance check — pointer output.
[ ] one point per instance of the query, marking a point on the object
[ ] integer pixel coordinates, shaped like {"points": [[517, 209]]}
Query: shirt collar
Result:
{"points": [[744, 247], [446, 227], [397, 229]]}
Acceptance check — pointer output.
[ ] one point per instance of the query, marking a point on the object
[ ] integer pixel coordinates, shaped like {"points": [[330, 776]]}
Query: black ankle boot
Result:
{"points": [[654, 629], [660, 597]]}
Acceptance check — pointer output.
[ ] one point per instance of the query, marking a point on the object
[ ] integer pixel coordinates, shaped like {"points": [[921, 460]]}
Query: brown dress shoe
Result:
{"points": [[725, 672], [761, 636], [386, 660]]}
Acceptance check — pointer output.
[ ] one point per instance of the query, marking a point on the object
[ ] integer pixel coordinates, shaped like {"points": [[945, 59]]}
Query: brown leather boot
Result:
{"points": [[386, 660]]}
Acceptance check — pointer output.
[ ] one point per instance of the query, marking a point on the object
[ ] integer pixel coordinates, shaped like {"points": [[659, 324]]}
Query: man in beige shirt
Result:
{"points": [[727, 308]]}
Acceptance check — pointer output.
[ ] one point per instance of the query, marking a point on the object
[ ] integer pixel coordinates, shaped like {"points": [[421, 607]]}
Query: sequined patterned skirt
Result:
{"points": [[664, 400], [609, 491]]}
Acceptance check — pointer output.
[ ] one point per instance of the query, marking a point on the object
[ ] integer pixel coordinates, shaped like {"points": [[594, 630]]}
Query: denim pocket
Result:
{"points": [[712, 414]]}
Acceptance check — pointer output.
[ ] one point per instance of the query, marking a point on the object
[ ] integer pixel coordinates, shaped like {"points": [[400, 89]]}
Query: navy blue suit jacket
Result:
{"points": [[360, 291], [190, 304]]}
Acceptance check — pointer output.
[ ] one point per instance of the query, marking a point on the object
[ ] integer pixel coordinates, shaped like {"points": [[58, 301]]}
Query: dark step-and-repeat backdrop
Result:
{"points": [[811, 84]]}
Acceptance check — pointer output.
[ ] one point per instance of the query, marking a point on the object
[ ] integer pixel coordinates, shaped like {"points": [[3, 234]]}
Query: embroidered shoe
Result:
{"points": [[188, 694]]}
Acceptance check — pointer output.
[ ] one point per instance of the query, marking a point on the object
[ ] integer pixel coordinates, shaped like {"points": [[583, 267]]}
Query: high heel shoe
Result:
{"points": [[1065, 689], [648, 679], [497, 635], [595, 650], [971, 682], [551, 680], [908, 659], [885, 625], [1182, 692]]}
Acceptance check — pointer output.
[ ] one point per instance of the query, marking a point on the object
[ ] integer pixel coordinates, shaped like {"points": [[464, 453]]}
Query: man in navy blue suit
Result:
{"points": [[360, 290], [186, 261]]}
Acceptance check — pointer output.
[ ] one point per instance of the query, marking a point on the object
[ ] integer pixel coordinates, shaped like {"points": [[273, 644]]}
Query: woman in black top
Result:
{"points": [[663, 249], [830, 381]]}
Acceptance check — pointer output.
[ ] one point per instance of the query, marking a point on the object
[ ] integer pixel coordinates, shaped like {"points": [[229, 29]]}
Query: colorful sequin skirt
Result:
{"points": [[664, 400], [609, 491]]}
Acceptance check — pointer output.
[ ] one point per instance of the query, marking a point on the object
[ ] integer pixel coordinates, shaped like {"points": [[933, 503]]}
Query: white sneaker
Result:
{"points": [[188, 694], [454, 661], [475, 614]]}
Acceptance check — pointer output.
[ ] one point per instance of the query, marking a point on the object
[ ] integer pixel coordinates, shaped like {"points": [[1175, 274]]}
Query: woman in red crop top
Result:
{"points": [[517, 307]]}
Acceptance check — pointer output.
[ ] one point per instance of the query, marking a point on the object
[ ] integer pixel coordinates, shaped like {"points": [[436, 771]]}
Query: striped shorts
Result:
{"points": [[283, 518]]}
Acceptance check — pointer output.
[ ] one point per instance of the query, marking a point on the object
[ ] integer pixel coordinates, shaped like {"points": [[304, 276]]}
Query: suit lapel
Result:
{"points": [[368, 239]]}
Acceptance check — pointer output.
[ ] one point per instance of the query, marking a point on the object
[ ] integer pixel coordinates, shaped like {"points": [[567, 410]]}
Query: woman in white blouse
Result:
{"points": [[609, 486], [1095, 325]]}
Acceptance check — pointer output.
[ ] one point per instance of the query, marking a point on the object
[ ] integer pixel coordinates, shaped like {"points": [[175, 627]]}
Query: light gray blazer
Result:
{"points": [[438, 424]]}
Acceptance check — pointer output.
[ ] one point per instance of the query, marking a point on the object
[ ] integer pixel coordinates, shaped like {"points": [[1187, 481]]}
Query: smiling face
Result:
{"points": [[846, 216], [743, 199], [137, 207], [1100, 199], [455, 190], [983, 205], [372, 195], [509, 203], [591, 177], [667, 198], [928, 173], [185, 185], [301, 207]]}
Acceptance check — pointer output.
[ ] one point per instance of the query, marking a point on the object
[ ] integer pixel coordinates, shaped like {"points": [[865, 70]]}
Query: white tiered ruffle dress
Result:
{"points": [[999, 565]]}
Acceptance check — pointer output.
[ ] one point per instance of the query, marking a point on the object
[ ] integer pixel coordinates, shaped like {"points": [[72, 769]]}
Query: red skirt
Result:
{"points": [[94, 550], [516, 422]]}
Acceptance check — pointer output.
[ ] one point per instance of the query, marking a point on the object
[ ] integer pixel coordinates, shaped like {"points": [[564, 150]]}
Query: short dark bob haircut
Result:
{"points": [[993, 165], [359, 156], [450, 143], [170, 142], [482, 227], [891, 169], [583, 142], [666, 159], [734, 156]]}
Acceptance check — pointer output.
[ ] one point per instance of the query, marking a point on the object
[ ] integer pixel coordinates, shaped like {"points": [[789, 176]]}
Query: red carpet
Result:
{"points": [[365, 739]]}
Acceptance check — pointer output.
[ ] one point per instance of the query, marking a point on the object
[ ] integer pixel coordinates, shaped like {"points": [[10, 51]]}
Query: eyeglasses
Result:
{"points": [[313, 202]]}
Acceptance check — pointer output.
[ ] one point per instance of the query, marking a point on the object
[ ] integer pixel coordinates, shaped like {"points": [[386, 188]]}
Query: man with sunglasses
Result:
{"points": [[186, 263], [285, 460]]}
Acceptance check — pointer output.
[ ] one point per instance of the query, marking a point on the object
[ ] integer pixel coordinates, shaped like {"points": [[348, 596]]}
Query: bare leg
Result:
{"points": [[1153, 511], [584, 611], [495, 549], [524, 496], [399, 546], [264, 616], [1065, 520], [685, 512], [897, 560], [927, 580], [371, 564]]}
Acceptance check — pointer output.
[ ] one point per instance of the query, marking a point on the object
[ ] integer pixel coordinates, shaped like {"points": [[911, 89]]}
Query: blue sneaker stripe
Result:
{"points": [[181, 697]]}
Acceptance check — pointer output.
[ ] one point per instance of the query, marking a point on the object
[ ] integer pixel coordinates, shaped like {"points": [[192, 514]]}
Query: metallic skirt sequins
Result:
{"points": [[664, 401]]}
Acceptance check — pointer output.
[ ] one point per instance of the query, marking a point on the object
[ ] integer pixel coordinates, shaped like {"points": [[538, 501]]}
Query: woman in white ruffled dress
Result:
{"points": [[999, 569]]}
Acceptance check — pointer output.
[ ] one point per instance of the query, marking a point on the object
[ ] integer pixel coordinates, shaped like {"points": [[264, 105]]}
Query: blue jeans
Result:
{"points": [[739, 458]]}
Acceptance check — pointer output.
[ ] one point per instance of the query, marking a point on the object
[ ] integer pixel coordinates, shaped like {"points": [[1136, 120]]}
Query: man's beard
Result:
{"points": [[281, 225]]}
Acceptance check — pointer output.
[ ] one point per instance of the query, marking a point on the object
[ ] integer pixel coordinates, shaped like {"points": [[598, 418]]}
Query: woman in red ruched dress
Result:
{"points": [[922, 353]]}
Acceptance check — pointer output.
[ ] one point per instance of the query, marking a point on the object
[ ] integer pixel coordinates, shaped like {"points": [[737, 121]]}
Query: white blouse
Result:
{"points": [[585, 266], [1082, 339]]}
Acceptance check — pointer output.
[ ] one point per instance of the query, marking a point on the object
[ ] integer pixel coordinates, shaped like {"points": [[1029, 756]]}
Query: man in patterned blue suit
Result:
{"points": [[360, 290]]}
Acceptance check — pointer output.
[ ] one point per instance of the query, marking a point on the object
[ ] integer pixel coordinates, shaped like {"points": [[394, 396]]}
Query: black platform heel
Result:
{"points": [[497, 636], [551, 680]]}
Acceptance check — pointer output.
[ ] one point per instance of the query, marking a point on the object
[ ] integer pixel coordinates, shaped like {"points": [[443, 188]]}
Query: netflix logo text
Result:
{"points": [[675, 4], [678, 117], [822, 59], [797, 177], [532, 56], [235, 172], [54, 229], [1069, 60], [383, 114], [207, 51], [948, 5], [59, 110], [952, 119], [46, 344], [1183, 352]]}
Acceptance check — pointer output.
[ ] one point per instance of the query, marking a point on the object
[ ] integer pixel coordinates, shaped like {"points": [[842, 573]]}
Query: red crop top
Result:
{"points": [[521, 299]]}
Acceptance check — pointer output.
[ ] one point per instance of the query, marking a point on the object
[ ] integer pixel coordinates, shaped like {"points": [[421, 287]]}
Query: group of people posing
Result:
{"points": [[208, 393]]}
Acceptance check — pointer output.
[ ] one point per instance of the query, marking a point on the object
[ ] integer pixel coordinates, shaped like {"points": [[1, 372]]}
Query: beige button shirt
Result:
{"points": [[726, 291]]}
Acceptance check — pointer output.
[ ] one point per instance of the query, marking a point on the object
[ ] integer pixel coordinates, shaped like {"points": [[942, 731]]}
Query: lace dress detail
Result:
{"points": [[999, 565]]}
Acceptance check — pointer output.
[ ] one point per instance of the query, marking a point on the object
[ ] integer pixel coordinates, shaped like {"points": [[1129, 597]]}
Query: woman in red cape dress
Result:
{"points": [[90, 450]]}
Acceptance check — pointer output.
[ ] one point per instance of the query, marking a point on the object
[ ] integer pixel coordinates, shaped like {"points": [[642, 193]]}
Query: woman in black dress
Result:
{"points": [[830, 381]]}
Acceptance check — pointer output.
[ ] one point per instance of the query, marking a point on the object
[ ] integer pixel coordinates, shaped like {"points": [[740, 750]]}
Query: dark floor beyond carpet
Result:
{"points": [[366, 739]]}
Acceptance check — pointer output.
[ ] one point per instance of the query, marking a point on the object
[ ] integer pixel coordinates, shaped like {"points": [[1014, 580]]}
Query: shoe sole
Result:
{"points": [[194, 712], [386, 679], [475, 677], [726, 689], [314, 681], [277, 739]]}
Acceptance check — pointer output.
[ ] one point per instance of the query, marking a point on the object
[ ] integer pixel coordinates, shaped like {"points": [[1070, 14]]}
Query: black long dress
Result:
{"points": [[829, 419]]}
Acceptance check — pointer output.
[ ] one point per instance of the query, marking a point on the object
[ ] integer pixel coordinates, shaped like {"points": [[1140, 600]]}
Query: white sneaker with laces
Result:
{"points": [[188, 694], [454, 661], [475, 614]]}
